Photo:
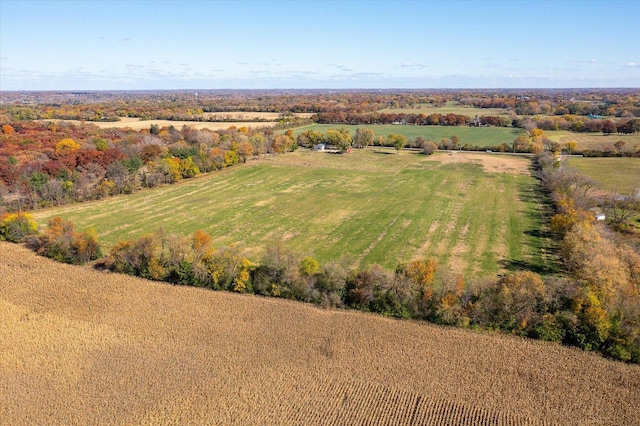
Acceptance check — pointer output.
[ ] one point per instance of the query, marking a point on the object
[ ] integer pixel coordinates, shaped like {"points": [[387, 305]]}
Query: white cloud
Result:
{"points": [[632, 65], [412, 65], [341, 67]]}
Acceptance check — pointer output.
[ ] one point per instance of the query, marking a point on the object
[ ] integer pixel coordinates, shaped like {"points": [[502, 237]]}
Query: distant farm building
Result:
{"points": [[320, 147]]}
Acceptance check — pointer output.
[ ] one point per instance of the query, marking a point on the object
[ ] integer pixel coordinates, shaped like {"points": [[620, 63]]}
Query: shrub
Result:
{"points": [[429, 147], [14, 227], [60, 242]]}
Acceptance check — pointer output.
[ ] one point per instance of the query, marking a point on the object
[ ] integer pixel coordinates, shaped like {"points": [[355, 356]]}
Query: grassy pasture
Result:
{"points": [[593, 140], [480, 136], [612, 174], [250, 115], [376, 207], [81, 346], [427, 109]]}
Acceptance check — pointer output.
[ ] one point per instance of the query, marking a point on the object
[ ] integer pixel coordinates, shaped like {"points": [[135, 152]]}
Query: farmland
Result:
{"points": [[480, 136], [597, 141], [81, 346], [621, 175], [450, 108], [477, 214], [137, 124]]}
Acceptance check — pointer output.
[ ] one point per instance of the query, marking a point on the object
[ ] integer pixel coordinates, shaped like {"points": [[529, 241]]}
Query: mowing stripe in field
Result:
{"points": [[373, 207]]}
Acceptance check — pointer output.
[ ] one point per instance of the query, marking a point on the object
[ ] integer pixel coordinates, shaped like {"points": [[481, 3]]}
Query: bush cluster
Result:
{"points": [[62, 243], [15, 227]]}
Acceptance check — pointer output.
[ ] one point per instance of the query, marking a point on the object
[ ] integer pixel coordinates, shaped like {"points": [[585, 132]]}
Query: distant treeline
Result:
{"points": [[180, 104], [572, 123]]}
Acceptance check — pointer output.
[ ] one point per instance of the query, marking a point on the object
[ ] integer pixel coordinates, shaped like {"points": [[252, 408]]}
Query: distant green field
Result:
{"points": [[375, 207], [593, 140], [480, 136], [612, 174], [428, 109]]}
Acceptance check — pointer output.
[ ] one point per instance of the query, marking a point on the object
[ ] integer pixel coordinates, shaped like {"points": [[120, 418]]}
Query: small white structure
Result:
{"points": [[320, 147], [598, 215]]}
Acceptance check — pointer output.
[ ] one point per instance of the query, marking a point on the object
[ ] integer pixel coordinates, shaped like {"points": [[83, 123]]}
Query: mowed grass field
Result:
{"points": [[621, 175], [597, 141], [80, 346], [476, 213], [449, 109], [479, 136]]}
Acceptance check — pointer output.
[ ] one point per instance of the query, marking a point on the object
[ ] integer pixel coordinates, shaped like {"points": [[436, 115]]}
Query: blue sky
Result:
{"points": [[111, 45]]}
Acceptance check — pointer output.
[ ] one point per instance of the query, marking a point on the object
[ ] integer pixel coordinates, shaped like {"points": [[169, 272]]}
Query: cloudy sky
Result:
{"points": [[109, 45]]}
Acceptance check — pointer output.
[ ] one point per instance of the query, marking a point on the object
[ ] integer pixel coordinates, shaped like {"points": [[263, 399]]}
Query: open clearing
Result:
{"points": [[250, 115], [480, 136], [451, 109], [597, 141], [477, 215], [79, 346], [621, 175]]}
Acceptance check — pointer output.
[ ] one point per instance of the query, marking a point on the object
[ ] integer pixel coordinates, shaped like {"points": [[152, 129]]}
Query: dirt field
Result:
{"points": [[79, 346], [137, 124], [491, 163], [242, 116]]}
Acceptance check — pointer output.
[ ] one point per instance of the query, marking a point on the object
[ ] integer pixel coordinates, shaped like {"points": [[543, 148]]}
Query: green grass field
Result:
{"points": [[480, 136], [621, 175], [593, 140], [375, 207], [449, 109]]}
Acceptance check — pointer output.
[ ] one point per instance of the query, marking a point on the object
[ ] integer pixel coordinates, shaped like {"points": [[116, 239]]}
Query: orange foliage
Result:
{"points": [[422, 272]]}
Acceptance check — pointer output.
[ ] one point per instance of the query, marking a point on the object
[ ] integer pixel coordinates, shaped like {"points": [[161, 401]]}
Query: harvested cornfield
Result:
{"points": [[80, 346]]}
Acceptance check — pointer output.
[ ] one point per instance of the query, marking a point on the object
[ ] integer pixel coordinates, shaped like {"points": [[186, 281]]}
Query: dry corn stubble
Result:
{"points": [[79, 346]]}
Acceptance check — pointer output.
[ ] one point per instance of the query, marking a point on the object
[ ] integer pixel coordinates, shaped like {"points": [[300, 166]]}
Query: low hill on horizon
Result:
{"points": [[81, 346]]}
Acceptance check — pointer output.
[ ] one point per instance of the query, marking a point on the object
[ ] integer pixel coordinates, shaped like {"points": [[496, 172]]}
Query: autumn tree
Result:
{"points": [[309, 138], [521, 144], [455, 141], [571, 146], [363, 137], [67, 145], [14, 227], [397, 141], [281, 144], [245, 150], [514, 301], [421, 274], [619, 146], [340, 138], [620, 209], [609, 127], [429, 147], [61, 242]]}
